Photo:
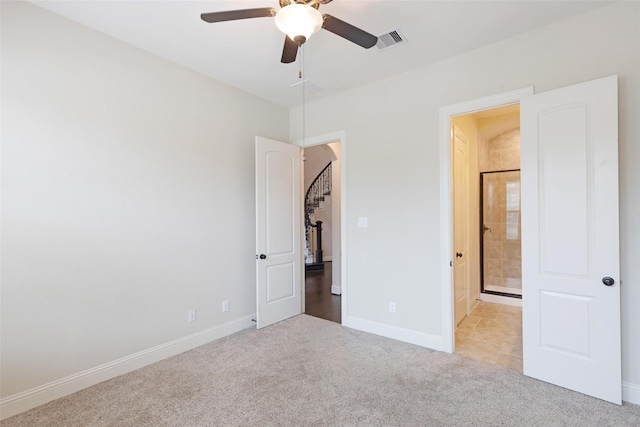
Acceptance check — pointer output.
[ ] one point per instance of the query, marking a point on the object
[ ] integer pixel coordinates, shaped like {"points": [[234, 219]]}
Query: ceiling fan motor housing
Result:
{"points": [[298, 21], [312, 3]]}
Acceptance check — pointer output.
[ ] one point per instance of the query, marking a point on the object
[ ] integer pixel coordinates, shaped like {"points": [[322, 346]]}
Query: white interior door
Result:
{"points": [[460, 224], [278, 231], [571, 317]]}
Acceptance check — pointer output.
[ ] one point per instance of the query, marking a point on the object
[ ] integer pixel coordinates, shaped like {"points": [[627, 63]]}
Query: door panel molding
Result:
{"points": [[570, 238], [279, 266]]}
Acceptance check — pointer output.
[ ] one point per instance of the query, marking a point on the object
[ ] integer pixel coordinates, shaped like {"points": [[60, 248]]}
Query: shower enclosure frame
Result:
{"points": [[482, 239]]}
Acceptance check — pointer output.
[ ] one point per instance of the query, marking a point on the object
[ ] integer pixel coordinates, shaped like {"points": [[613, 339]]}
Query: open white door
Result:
{"points": [[570, 250], [461, 224], [278, 222]]}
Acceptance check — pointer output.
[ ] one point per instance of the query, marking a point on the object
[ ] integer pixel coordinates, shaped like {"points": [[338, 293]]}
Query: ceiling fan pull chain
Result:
{"points": [[304, 99]]}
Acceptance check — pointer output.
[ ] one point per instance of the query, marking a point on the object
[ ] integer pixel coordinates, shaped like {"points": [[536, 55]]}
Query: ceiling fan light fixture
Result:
{"points": [[298, 21]]}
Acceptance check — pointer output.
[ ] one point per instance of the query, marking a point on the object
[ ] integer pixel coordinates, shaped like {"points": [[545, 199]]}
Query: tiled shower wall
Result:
{"points": [[501, 210], [500, 153]]}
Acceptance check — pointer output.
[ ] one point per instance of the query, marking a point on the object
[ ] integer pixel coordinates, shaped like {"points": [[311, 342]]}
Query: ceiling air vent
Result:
{"points": [[390, 39]]}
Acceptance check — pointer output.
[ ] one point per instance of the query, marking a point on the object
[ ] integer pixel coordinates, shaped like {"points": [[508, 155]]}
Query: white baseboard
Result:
{"points": [[29, 399], [326, 258], [20, 402], [336, 289], [422, 339], [631, 392]]}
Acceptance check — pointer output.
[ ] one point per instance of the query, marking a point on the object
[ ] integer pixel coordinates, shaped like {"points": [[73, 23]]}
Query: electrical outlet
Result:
{"points": [[191, 316], [392, 306], [225, 306]]}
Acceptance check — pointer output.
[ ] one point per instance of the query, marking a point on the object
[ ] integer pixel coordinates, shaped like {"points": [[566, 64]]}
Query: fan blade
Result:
{"points": [[232, 15], [349, 32], [290, 51]]}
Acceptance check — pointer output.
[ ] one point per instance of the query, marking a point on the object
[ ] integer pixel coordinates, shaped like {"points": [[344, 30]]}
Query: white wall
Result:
{"points": [[127, 199], [398, 155], [127, 186]]}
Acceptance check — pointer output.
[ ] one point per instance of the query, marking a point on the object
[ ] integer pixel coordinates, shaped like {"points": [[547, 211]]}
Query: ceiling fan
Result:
{"points": [[298, 19]]}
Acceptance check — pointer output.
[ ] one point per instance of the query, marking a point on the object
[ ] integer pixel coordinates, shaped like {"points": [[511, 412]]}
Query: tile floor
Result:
{"points": [[492, 333]]}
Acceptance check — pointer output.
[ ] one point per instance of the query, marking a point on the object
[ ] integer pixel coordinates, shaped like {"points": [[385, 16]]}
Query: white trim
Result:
{"points": [[631, 392], [446, 231], [336, 290], [422, 339], [516, 302], [327, 138], [344, 301], [23, 401], [326, 258]]}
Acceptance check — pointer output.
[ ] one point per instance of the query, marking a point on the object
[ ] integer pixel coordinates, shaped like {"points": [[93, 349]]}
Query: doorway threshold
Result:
{"points": [[501, 299]]}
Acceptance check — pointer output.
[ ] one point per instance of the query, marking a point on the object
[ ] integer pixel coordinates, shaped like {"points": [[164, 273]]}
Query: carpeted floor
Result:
{"points": [[312, 372]]}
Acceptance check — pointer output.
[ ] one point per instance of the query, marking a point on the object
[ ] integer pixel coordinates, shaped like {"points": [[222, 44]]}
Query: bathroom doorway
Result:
{"points": [[499, 203], [491, 329]]}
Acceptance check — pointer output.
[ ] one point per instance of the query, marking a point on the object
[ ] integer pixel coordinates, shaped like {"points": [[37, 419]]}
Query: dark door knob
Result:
{"points": [[458, 254], [261, 256], [608, 281]]}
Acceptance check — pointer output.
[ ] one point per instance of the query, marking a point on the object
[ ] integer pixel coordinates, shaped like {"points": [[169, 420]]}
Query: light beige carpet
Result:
{"points": [[311, 372]]}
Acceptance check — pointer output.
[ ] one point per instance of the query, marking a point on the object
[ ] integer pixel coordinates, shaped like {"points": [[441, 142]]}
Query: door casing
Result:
{"points": [[338, 136], [446, 202], [571, 96]]}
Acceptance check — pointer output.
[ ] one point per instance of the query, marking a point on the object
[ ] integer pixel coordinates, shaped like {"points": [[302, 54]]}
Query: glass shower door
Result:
{"points": [[501, 262]]}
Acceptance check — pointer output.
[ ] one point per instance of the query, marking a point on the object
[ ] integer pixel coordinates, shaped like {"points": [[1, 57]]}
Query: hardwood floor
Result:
{"points": [[319, 302]]}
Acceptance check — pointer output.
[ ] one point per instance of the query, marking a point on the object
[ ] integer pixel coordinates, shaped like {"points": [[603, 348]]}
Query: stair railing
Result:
{"points": [[318, 190]]}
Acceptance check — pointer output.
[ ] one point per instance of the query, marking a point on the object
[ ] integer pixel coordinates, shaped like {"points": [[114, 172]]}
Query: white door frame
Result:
{"points": [[446, 220], [338, 136]]}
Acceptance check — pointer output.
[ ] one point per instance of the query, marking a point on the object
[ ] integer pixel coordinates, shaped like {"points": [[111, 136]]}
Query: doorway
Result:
{"points": [[322, 248], [446, 116], [564, 296], [486, 235]]}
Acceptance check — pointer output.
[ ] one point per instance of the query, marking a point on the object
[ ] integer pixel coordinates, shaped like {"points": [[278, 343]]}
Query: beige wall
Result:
{"points": [[396, 153], [127, 199], [127, 186], [500, 153]]}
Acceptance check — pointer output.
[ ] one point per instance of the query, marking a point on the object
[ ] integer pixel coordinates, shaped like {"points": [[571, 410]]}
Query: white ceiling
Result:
{"points": [[246, 53]]}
